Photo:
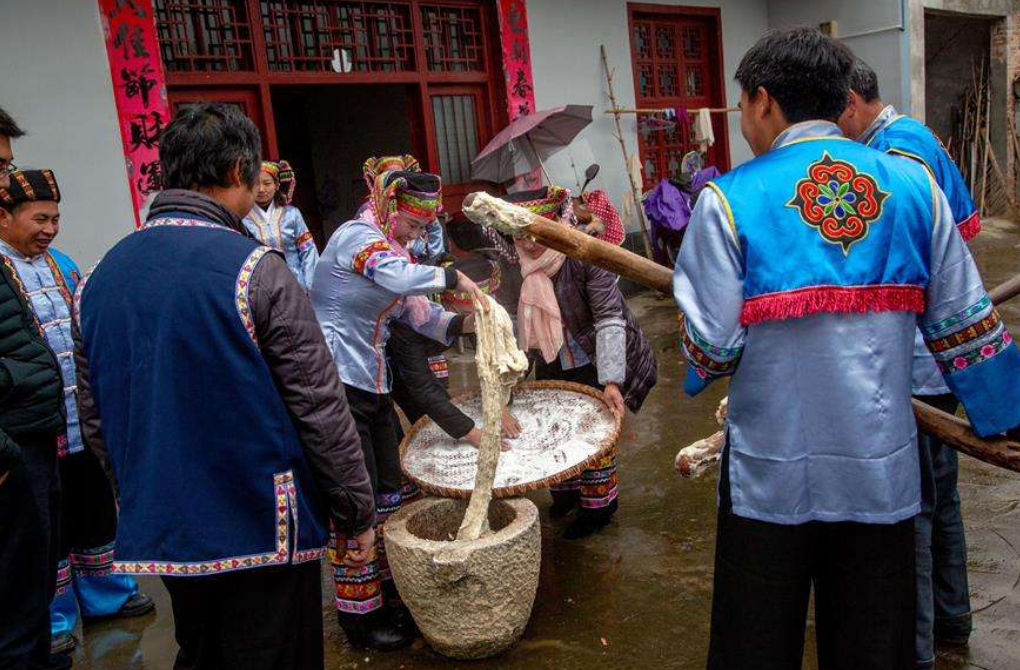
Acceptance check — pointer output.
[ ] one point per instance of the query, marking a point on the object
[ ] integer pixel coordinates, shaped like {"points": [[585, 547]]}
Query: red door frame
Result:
{"points": [[247, 97], [261, 79], [712, 15]]}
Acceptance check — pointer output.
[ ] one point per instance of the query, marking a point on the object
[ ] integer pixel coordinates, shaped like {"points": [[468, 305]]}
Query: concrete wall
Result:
{"points": [[565, 38], [874, 29], [55, 81]]}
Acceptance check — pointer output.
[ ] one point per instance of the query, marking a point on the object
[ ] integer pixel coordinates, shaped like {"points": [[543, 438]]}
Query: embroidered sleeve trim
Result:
{"points": [[303, 240], [972, 332], [938, 327], [242, 287], [978, 354], [708, 361], [366, 260], [803, 302]]}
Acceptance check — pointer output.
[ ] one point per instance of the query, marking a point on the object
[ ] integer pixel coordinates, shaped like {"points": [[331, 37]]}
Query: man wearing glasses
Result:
{"points": [[31, 418]]}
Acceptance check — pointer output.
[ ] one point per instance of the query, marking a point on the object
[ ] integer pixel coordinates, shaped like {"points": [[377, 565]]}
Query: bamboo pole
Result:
{"points": [[487, 210], [690, 110], [635, 188]]}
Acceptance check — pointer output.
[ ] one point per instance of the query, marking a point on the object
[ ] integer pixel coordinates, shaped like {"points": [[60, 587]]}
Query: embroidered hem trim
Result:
{"points": [[832, 299], [286, 515], [970, 227]]}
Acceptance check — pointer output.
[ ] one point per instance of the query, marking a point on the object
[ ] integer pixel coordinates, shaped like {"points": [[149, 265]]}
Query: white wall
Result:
{"points": [[874, 29], [55, 82], [565, 36]]}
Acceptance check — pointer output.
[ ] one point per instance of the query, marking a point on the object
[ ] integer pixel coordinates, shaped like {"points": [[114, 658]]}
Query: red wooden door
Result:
{"points": [[677, 57], [245, 99]]}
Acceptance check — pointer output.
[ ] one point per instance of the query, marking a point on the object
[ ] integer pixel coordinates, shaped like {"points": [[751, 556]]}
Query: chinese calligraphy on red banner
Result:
{"points": [[513, 28], [139, 91]]}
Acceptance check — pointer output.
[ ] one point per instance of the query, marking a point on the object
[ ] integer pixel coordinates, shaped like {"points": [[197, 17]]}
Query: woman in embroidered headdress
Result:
{"points": [[573, 317], [366, 279], [430, 244], [278, 224]]}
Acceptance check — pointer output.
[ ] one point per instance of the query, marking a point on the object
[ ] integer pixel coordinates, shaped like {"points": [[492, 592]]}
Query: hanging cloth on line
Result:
{"points": [[704, 135]]}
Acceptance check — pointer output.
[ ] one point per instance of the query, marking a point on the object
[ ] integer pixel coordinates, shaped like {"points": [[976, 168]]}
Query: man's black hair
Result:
{"points": [[8, 128], [806, 72], [204, 142], [864, 81]]}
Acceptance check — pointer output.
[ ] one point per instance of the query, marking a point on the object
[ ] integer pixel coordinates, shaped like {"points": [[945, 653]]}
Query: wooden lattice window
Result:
{"points": [[454, 39], [320, 35], [204, 35], [673, 69]]}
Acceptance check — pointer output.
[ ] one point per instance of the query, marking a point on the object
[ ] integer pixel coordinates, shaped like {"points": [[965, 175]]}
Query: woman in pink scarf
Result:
{"points": [[574, 318]]}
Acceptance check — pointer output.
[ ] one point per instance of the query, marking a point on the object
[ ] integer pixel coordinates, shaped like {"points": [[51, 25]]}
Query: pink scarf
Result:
{"points": [[540, 325], [417, 305]]}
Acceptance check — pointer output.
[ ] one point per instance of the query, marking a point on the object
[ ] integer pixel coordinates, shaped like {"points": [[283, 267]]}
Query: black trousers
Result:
{"points": [[88, 517], [375, 421], [863, 579], [260, 619], [29, 535]]}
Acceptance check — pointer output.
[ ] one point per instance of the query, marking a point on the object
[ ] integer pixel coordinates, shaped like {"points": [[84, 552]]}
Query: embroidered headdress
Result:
{"points": [[410, 191], [374, 167], [30, 185], [550, 202], [286, 181]]}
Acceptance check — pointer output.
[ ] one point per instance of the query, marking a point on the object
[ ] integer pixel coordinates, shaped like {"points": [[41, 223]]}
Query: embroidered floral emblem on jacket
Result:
{"points": [[838, 200]]}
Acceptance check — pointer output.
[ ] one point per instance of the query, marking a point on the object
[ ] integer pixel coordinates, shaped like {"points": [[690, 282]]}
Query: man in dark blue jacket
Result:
{"points": [[205, 381]]}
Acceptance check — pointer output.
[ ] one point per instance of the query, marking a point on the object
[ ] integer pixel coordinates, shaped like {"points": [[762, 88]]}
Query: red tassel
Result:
{"points": [[832, 299], [970, 227]]}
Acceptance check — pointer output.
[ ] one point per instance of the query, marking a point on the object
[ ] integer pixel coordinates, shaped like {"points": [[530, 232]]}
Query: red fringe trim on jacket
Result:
{"points": [[832, 299], [970, 227]]}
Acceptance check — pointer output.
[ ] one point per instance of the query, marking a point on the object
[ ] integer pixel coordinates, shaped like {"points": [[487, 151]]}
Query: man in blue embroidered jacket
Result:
{"points": [[943, 605], [29, 223], [365, 279], [806, 271], [205, 381]]}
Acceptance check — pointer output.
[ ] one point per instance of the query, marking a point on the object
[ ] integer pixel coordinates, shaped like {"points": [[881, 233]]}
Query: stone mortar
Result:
{"points": [[470, 599]]}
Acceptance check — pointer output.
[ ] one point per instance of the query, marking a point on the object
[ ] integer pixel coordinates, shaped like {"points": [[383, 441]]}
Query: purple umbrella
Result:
{"points": [[524, 144]]}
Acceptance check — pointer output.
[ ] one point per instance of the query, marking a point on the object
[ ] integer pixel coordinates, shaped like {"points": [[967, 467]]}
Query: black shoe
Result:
{"points": [[952, 639], [589, 522], [62, 643], [59, 662], [953, 632], [562, 505], [379, 632], [137, 605]]}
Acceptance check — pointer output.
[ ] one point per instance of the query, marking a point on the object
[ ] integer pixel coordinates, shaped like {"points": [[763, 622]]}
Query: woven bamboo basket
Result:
{"points": [[590, 399]]}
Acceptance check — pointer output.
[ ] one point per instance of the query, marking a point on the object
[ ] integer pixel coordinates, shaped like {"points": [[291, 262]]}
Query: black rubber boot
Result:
{"points": [[375, 630], [590, 521], [564, 503]]}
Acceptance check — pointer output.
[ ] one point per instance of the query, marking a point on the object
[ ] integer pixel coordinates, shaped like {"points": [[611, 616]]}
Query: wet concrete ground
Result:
{"points": [[639, 593]]}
